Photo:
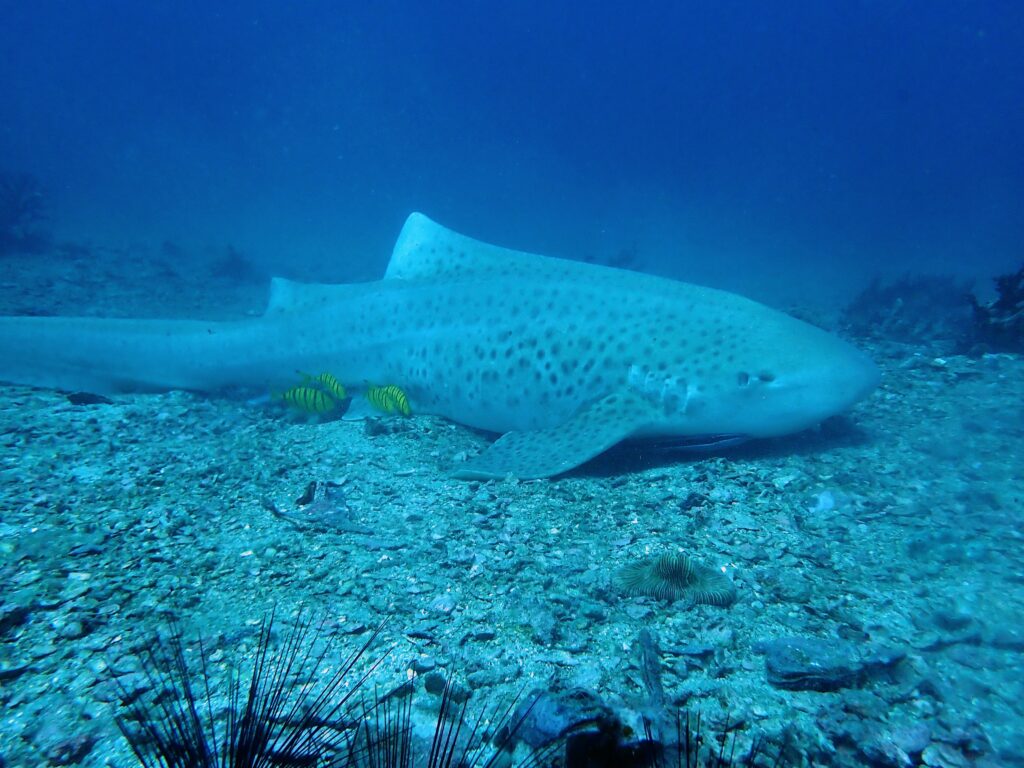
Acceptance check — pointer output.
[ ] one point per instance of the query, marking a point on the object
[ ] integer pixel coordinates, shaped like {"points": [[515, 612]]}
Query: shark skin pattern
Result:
{"points": [[563, 359]]}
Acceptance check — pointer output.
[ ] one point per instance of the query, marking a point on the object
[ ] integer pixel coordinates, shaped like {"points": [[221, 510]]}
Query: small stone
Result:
{"points": [[545, 716], [698, 650], [443, 604], [71, 751], [400, 691], [43, 649], [952, 620], [484, 678], [12, 615], [71, 630], [422, 665], [938, 755], [74, 590], [434, 682], [1007, 638], [884, 753], [420, 633], [913, 738], [9, 671], [810, 664], [968, 656]]}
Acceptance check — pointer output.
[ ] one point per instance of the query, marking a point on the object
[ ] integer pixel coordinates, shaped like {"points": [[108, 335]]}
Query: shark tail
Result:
{"points": [[108, 356]]}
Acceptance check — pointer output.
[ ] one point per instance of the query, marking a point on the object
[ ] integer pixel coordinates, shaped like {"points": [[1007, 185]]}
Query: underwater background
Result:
{"points": [[859, 164], [788, 150]]}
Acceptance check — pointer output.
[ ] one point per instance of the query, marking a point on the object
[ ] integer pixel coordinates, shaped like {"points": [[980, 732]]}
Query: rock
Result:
{"points": [[844, 729], [12, 615], [484, 635], [459, 693], [969, 656], [952, 620], [884, 753], [1007, 638], [879, 658], [900, 748], [485, 678], [400, 691], [444, 604], [938, 642], [864, 704], [545, 715], [794, 590], [62, 742], [423, 664], [434, 682], [71, 751], [71, 630], [421, 632], [702, 652], [912, 739], [940, 755], [544, 627], [810, 664], [12, 670], [813, 664], [87, 398]]}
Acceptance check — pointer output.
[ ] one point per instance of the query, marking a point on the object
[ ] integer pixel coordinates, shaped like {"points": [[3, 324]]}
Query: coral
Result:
{"points": [[915, 308], [234, 266], [999, 324], [673, 576]]}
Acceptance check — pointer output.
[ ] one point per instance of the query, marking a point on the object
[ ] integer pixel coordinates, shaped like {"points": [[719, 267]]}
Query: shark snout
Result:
{"points": [[857, 377], [839, 380], [818, 380]]}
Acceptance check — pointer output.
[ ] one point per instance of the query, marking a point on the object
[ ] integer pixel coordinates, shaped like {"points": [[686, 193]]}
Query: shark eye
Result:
{"points": [[766, 376]]}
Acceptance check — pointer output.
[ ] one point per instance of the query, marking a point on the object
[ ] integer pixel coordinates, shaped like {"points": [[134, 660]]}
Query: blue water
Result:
{"points": [[787, 150], [790, 150]]}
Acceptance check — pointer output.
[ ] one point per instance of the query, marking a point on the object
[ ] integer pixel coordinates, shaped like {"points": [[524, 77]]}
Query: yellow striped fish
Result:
{"points": [[389, 399], [328, 383], [309, 399]]}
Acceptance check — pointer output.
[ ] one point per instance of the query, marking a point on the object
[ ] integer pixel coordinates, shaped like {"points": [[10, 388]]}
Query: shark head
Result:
{"points": [[768, 375]]}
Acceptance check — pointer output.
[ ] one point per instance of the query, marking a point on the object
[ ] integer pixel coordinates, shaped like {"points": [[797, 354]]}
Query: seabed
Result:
{"points": [[890, 539]]}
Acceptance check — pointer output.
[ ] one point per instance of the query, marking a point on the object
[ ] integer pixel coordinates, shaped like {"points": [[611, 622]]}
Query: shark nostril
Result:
{"points": [[743, 378]]}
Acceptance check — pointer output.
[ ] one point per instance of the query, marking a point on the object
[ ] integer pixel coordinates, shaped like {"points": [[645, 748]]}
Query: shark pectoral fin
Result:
{"points": [[546, 452]]}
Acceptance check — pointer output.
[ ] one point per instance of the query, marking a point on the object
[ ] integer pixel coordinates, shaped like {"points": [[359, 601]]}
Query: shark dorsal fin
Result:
{"points": [[426, 250]]}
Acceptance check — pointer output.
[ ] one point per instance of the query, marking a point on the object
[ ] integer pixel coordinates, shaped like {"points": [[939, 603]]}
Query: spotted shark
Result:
{"points": [[562, 359]]}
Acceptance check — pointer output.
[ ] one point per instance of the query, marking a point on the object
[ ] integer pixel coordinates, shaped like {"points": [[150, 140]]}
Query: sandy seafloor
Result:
{"points": [[892, 536]]}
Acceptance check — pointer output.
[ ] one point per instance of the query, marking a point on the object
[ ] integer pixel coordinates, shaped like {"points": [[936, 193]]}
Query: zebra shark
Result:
{"points": [[562, 359]]}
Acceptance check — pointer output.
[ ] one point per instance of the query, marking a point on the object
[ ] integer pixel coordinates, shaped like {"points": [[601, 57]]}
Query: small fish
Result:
{"points": [[309, 399], [389, 399], [328, 383]]}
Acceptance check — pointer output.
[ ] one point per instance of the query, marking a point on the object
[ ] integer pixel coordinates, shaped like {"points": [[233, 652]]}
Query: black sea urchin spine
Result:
{"points": [[277, 723]]}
